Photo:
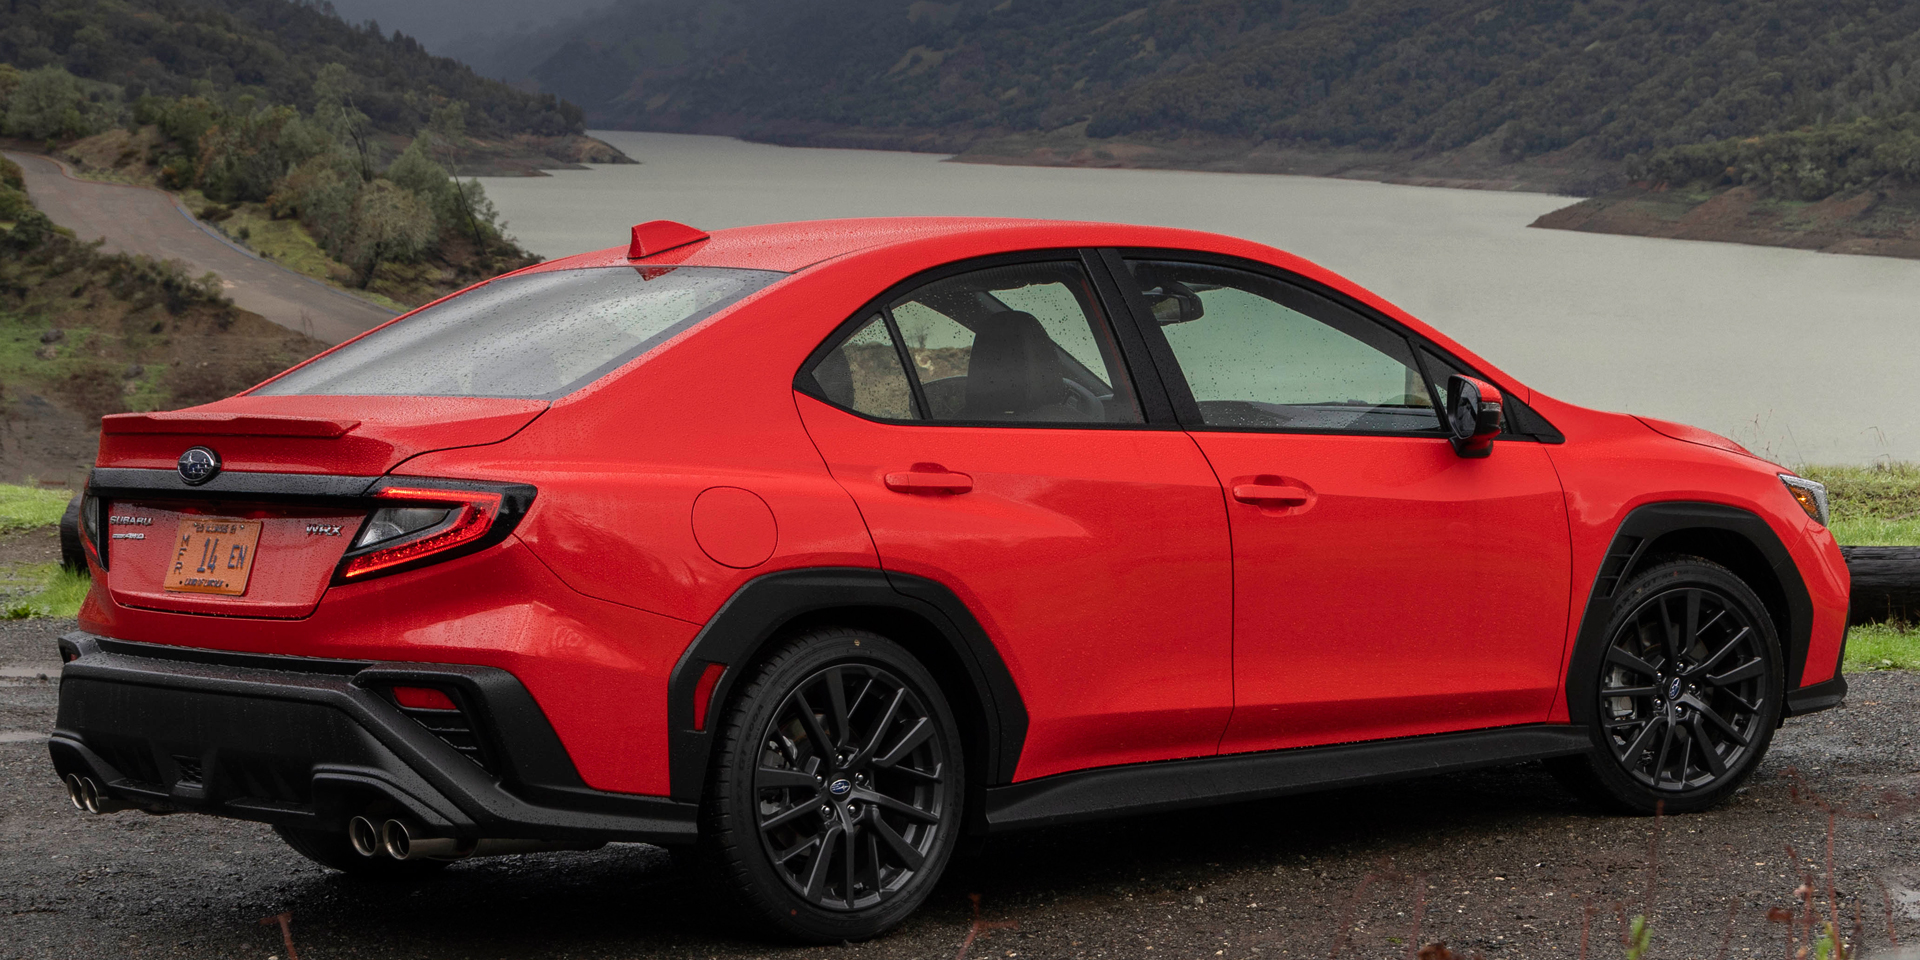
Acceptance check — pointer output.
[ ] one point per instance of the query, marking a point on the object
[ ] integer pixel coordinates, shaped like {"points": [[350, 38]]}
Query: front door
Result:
{"points": [[985, 424], [1383, 586]]}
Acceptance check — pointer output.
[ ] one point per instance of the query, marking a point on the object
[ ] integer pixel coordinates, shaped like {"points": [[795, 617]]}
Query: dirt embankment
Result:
{"points": [[1875, 222]]}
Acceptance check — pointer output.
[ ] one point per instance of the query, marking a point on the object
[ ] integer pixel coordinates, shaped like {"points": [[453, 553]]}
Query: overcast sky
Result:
{"points": [[440, 24]]}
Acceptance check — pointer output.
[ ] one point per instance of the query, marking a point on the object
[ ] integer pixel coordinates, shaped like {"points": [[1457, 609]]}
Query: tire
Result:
{"points": [[330, 848], [1686, 626], [886, 791], [72, 555]]}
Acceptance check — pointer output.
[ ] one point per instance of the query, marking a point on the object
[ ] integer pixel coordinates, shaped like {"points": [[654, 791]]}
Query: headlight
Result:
{"points": [[1811, 496]]}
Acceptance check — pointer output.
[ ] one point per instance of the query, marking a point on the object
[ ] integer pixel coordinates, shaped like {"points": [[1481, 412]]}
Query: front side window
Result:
{"points": [[1017, 344], [536, 335], [1261, 353]]}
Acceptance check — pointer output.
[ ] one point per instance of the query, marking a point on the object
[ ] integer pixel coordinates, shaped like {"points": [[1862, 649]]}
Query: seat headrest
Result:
{"points": [[1014, 368]]}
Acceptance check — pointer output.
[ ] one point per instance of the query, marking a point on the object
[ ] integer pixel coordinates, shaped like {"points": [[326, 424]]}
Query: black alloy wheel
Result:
{"points": [[836, 797], [1689, 689]]}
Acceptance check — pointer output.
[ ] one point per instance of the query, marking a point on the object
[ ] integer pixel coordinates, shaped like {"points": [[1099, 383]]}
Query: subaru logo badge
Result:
{"points": [[840, 788], [198, 465], [1673, 689]]}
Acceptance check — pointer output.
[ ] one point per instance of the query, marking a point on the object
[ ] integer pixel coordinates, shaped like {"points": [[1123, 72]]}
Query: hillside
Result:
{"points": [[83, 334], [1594, 84], [273, 51]]}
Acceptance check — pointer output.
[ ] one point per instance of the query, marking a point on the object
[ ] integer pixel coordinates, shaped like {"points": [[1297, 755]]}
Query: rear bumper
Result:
{"points": [[311, 743]]}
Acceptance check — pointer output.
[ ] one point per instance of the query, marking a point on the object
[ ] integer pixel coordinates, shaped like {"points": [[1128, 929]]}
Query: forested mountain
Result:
{"points": [[1606, 78], [272, 49]]}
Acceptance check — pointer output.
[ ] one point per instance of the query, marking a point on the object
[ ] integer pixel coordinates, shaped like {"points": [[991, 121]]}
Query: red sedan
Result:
{"points": [[808, 548]]}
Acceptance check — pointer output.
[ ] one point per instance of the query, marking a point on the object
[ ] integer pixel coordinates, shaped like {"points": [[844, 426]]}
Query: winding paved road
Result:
{"points": [[149, 221]]}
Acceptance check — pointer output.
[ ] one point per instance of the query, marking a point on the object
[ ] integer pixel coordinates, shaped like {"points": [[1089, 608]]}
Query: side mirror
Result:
{"points": [[1473, 415]]}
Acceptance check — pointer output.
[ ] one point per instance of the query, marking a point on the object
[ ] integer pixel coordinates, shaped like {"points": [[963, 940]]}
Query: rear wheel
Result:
{"points": [[1688, 694], [331, 848], [834, 799]]}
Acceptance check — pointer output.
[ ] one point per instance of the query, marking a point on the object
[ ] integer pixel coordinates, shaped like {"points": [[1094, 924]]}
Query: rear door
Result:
{"points": [[1383, 586], [984, 421]]}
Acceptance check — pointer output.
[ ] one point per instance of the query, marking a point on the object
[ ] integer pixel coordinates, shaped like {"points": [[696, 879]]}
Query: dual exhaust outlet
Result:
{"points": [[394, 838], [89, 796]]}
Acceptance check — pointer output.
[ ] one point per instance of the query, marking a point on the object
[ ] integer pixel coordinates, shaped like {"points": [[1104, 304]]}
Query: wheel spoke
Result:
{"points": [[1631, 662], [1707, 750], [1693, 625], [1721, 654], [930, 776], [1642, 741], [822, 744], [1746, 671], [837, 701], [780, 859], [880, 729], [901, 807], [773, 778], [1709, 713], [817, 870], [898, 844], [1609, 692], [916, 735], [788, 815], [1666, 746], [850, 869], [1668, 632]]}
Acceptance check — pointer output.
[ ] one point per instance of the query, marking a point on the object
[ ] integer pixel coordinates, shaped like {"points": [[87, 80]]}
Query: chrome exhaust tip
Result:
{"points": [[76, 792], [395, 840], [364, 836], [95, 799], [400, 843]]}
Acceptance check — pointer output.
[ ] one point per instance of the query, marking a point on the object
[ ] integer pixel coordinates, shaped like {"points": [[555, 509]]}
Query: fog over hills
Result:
{"points": [[451, 27]]}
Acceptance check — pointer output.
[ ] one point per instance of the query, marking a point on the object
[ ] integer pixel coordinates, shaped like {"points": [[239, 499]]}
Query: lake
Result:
{"points": [[1804, 357]]}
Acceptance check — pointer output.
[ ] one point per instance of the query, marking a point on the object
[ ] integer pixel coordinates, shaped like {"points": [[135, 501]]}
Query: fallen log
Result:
{"points": [[1886, 583]]}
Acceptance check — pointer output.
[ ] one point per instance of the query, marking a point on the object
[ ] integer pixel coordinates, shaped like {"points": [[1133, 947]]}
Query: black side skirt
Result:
{"points": [[1174, 784]]}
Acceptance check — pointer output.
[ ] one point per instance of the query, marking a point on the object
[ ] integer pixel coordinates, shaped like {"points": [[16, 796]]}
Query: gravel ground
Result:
{"points": [[1511, 866]]}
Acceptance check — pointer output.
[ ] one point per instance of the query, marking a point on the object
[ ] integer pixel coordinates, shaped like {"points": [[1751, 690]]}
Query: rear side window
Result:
{"points": [[1023, 343], [538, 335], [864, 374]]}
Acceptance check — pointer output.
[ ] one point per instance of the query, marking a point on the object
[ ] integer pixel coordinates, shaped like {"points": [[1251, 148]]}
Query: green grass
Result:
{"points": [[1877, 506], [53, 591], [26, 508], [1883, 646]]}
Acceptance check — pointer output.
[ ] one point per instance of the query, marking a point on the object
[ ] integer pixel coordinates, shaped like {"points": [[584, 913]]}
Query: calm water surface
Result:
{"points": [[1805, 357]]}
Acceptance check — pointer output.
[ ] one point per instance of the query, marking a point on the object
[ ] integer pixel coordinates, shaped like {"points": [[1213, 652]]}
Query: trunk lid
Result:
{"points": [[261, 546], [345, 436]]}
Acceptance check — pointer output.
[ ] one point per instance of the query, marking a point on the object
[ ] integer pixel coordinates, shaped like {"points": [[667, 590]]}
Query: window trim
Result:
{"points": [[1168, 371], [1155, 407]]}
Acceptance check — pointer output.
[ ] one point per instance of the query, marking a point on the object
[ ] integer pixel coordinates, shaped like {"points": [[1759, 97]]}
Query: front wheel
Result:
{"points": [[835, 794], [1688, 693]]}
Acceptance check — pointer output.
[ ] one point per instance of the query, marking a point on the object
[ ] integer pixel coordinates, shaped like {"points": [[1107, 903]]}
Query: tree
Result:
{"points": [[47, 103], [389, 224]]}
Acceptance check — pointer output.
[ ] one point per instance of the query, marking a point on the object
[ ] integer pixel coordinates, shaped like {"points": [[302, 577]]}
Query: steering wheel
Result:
{"points": [[1084, 402]]}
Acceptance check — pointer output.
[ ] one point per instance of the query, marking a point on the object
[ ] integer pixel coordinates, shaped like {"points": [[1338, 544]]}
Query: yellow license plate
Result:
{"points": [[212, 555]]}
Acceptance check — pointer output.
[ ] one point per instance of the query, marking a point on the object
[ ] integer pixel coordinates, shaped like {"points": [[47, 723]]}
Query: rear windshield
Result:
{"points": [[538, 335]]}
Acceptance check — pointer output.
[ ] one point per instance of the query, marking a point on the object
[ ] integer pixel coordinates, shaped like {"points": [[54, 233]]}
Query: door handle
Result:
{"points": [[1270, 494], [929, 478]]}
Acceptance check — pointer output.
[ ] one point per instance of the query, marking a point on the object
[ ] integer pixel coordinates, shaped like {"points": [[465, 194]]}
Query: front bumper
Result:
{"points": [[311, 743]]}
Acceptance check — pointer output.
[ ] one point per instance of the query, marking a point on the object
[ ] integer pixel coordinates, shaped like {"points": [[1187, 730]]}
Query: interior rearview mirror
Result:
{"points": [[1473, 415], [1175, 303]]}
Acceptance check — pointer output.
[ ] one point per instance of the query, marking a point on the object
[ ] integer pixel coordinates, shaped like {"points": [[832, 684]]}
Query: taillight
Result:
{"points": [[415, 523], [90, 526]]}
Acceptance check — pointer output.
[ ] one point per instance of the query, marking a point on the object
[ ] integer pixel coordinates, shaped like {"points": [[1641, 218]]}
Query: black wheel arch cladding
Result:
{"points": [[920, 614], [1731, 537]]}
